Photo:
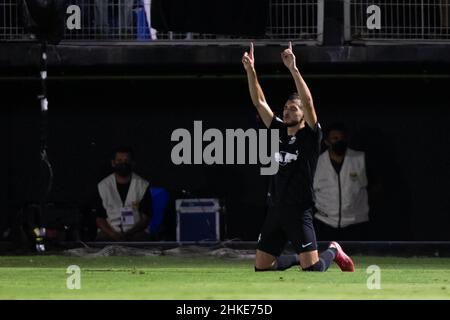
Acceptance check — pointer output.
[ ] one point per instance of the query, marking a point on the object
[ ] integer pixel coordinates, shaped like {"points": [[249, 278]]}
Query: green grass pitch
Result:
{"points": [[165, 277]]}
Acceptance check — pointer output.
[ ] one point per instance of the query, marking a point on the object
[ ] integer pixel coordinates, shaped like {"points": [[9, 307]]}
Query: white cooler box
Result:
{"points": [[198, 220]]}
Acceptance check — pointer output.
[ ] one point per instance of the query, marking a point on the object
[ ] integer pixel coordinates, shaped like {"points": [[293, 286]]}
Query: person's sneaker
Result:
{"points": [[342, 260]]}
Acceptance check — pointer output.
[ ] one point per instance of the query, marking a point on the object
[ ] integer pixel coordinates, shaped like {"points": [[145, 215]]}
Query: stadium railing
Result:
{"points": [[414, 21], [299, 21]]}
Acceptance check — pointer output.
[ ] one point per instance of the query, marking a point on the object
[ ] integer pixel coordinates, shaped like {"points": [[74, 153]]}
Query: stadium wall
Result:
{"points": [[401, 122]]}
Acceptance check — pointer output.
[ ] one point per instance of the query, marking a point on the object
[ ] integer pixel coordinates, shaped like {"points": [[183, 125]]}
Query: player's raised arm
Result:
{"points": [[288, 58], [256, 92]]}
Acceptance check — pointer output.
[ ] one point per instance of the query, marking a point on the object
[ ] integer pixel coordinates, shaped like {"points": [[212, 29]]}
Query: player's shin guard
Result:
{"points": [[325, 260]]}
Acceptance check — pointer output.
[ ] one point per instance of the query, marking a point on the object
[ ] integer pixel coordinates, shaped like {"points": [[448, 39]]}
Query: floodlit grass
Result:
{"points": [[165, 277]]}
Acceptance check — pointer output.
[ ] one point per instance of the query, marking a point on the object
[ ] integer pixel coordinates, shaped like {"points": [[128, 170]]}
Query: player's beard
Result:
{"points": [[293, 123]]}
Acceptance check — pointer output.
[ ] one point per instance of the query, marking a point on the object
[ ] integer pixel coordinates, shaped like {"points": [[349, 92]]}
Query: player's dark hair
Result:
{"points": [[122, 149], [294, 96], [336, 126]]}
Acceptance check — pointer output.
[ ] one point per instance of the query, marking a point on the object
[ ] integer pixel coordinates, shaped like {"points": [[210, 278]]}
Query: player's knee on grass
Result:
{"points": [[308, 259], [280, 263], [260, 270], [259, 266], [263, 261]]}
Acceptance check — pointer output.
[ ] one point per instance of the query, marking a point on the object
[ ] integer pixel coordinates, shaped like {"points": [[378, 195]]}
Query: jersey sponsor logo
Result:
{"points": [[283, 157]]}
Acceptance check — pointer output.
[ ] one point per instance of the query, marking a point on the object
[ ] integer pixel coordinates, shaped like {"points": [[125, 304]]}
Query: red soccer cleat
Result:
{"points": [[342, 260]]}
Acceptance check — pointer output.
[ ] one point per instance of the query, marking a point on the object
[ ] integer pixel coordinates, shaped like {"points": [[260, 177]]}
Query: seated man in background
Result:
{"points": [[124, 203], [340, 189]]}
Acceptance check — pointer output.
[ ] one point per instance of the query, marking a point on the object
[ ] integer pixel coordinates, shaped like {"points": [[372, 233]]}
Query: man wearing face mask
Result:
{"points": [[124, 204], [340, 189]]}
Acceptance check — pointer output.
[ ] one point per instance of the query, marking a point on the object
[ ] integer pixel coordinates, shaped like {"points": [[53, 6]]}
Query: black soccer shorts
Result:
{"points": [[285, 224]]}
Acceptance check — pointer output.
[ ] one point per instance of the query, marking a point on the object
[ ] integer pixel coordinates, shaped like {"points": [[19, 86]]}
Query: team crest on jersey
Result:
{"points": [[283, 157]]}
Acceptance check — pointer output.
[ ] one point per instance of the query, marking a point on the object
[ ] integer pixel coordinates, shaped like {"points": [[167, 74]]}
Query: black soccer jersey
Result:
{"points": [[292, 185]]}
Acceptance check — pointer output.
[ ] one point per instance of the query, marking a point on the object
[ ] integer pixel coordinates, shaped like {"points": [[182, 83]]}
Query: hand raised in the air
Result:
{"points": [[288, 57], [248, 60]]}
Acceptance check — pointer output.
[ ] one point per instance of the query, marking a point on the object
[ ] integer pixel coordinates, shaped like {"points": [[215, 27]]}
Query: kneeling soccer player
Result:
{"points": [[290, 196]]}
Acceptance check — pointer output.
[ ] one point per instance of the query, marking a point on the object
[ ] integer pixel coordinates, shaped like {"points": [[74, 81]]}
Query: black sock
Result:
{"points": [[325, 260], [285, 262]]}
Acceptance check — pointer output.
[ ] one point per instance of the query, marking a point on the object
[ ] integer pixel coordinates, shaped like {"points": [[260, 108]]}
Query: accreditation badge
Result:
{"points": [[127, 216]]}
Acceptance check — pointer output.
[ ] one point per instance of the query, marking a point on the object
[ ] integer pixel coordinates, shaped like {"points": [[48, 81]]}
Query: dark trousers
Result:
{"points": [[356, 232]]}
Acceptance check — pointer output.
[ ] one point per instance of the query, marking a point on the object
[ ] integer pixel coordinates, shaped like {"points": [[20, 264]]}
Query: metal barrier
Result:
{"points": [[127, 20], [408, 20], [10, 27]]}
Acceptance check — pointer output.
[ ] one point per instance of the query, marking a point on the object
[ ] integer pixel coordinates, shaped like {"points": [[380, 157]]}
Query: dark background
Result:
{"points": [[400, 121]]}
